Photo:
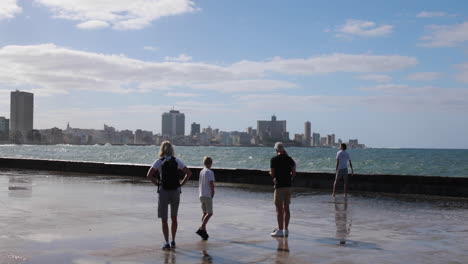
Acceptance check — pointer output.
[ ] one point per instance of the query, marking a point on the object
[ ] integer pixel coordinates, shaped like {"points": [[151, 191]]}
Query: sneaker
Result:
{"points": [[173, 245], [166, 246], [200, 232], [205, 235], [277, 233], [286, 232]]}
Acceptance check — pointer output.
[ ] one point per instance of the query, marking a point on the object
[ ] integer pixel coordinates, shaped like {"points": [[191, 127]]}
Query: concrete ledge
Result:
{"points": [[427, 185]]}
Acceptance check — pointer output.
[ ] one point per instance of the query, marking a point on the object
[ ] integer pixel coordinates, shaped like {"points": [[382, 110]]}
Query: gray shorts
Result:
{"points": [[206, 204], [166, 198], [342, 173]]}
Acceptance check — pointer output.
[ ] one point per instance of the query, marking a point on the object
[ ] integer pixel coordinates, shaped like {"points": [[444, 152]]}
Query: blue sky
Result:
{"points": [[390, 73]]}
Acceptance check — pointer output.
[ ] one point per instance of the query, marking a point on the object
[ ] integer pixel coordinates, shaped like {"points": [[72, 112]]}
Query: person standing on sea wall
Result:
{"points": [[169, 185], [283, 171], [342, 158]]}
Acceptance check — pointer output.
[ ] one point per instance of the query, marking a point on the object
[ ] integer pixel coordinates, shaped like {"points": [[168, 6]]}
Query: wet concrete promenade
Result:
{"points": [[54, 217]]}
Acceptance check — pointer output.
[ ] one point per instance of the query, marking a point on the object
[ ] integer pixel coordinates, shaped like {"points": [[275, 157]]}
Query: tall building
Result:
{"points": [[272, 130], [194, 129], [173, 123], [21, 115], [315, 139], [331, 140], [4, 128], [307, 133]]}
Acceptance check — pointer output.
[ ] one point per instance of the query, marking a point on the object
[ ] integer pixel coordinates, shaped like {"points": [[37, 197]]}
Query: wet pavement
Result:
{"points": [[49, 217]]}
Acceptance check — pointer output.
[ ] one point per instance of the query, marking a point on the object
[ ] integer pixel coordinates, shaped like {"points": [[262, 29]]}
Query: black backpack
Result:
{"points": [[169, 173]]}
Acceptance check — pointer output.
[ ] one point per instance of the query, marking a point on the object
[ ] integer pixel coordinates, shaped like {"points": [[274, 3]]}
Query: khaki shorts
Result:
{"points": [[166, 198], [282, 195], [206, 204]]}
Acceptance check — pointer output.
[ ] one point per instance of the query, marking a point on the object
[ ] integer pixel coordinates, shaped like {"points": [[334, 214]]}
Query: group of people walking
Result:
{"points": [[164, 173]]}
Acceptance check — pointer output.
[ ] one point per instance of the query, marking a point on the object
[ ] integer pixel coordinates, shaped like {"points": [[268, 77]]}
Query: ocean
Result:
{"points": [[431, 162]]}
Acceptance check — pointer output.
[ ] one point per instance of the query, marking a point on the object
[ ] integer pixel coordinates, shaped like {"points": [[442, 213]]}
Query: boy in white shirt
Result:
{"points": [[342, 159], [206, 189]]}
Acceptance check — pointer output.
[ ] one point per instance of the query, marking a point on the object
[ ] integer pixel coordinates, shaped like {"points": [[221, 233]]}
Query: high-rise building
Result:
{"points": [[331, 140], [274, 130], [315, 139], [173, 123], [324, 141], [195, 129], [307, 133], [21, 115], [4, 128]]}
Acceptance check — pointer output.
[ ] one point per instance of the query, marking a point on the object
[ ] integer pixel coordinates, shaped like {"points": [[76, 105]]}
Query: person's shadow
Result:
{"points": [[341, 221]]}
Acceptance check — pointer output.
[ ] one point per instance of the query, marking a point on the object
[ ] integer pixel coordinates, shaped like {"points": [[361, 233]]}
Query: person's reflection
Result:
{"points": [[205, 257], [341, 220], [169, 257], [19, 187], [282, 252]]}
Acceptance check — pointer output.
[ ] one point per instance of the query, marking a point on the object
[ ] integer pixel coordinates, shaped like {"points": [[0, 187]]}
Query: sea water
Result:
{"points": [[432, 162]]}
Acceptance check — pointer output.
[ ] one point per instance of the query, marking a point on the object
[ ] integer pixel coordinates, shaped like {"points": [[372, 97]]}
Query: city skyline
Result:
{"points": [[391, 74]]}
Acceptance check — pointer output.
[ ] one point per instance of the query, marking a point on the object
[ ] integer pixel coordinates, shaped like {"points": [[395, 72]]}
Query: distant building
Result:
{"points": [[4, 129], [173, 123], [307, 133], [249, 131], [299, 138], [324, 141], [315, 139], [143, 137], [240, 138], [21, 115], [194, 129], [331, 140], [273, 130]]}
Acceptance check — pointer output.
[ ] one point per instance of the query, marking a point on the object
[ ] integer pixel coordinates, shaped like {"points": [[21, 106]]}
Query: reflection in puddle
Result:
{"points": [[341, 221], [282, 251], [20, 187]]}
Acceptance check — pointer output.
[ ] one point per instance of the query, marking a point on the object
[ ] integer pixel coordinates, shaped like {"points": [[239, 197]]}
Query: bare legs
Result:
{"points": [[165, 228], [345, 178], [283, 215], [205, 218]]}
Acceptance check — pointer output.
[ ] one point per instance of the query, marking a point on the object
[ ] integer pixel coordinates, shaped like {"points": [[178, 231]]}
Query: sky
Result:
{"points": [[390, 73]]}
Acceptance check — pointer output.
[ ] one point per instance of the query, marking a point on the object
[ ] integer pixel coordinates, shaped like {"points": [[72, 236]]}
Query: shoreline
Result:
{"points": [[378, 183]]}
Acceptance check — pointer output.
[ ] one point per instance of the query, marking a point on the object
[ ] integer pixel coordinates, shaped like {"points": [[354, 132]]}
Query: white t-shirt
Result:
{"points": [[204, 186], [342, 156], [157, 164]]}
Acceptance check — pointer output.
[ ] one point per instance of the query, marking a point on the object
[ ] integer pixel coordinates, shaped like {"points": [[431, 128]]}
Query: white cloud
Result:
{"points": [[151, 48], [375, 77], [426, 14], [445, 36], [246, 85], [337, 62], [381, 98], [50, 69], [424, 76], [363, 28], [180, 58], [9, 8], [121, 14], [462, 76], [176, 94], [93, 24]]}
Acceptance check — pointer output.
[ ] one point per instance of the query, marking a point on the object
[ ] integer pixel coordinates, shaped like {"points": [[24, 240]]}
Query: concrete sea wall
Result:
{"points": [[427, 185]]}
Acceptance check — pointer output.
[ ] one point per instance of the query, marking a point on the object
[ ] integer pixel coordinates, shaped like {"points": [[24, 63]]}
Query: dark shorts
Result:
{"points": [[166, 198], [342, 174]]}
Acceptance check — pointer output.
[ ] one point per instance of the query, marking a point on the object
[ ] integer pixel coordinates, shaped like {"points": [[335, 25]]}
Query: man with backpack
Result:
{"points": [[169, 185]]}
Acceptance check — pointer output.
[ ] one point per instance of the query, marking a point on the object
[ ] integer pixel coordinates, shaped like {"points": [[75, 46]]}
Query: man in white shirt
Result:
{"points": [[206, 190], [342, 158]]}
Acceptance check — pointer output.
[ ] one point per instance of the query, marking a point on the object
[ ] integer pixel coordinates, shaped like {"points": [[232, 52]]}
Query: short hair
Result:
{"points": [[279, 146], [343, 145], [207, 160], [166, 149]]}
